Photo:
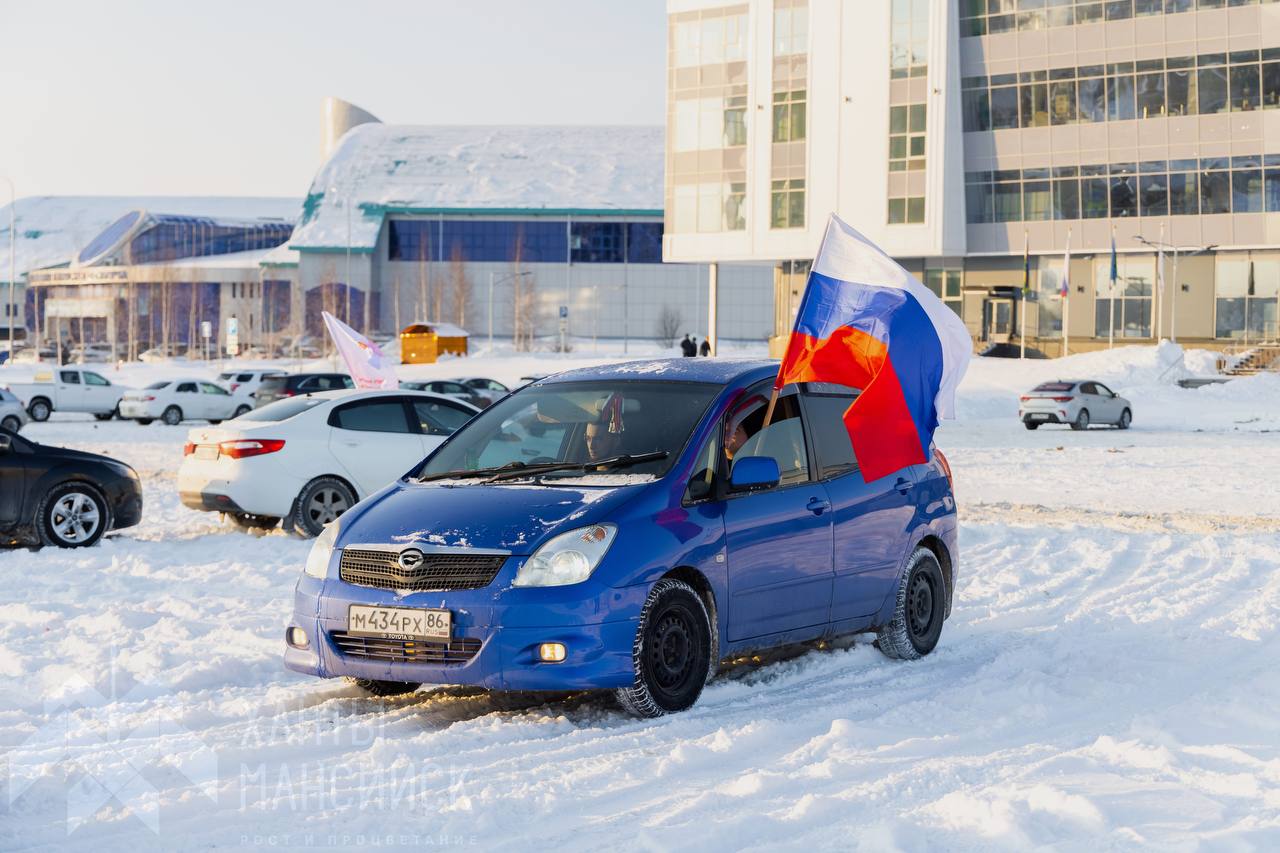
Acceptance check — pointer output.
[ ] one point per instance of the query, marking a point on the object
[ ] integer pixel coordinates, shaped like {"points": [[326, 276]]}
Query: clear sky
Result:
{"points": [[223, 97]]}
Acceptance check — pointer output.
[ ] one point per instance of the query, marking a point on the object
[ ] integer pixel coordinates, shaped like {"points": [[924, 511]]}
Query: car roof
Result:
{"points": [[720, 371], [361, 394]]}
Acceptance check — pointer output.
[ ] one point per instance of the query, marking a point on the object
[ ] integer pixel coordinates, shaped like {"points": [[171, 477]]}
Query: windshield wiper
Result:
{"points": [[624, 461], [478, 472]]}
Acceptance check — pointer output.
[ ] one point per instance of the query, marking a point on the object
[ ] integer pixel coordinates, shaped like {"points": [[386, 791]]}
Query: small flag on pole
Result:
{"points": [[1065, 289], [1026, 267], [1115, 269], [866, 323], [365, 362]]}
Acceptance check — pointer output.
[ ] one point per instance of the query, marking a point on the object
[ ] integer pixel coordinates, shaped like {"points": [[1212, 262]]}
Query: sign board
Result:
{"points": [[564, 312], [206, 329], [233, 336]]}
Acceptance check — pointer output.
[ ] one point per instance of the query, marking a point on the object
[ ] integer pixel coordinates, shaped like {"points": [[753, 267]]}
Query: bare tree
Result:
{"points": [[522, 302], [669, 321], [459, 287]]}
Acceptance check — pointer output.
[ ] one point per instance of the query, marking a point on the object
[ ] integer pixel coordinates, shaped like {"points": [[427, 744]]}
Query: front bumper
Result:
{"points": [[597, 627]]}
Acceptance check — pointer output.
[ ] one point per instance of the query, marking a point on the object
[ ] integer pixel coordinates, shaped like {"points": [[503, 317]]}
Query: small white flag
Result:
{"points": [[365, 362]]}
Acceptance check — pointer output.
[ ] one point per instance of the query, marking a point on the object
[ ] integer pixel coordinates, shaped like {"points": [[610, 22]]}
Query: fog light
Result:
{"points": [[551, 652], [296, 637]]}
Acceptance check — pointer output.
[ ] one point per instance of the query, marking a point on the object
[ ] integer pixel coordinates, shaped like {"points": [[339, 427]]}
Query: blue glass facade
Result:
{"points": [[530, 242], [173, 237]]}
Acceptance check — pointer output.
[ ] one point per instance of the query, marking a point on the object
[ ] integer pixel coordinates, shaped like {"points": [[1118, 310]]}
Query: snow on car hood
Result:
{"points": [[516, 517]]}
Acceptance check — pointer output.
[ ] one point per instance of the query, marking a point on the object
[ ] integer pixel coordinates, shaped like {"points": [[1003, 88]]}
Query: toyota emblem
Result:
{"points": [[411, 558]]}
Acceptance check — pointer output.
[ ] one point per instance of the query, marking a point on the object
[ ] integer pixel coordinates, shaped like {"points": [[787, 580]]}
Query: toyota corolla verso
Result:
{"points": [[628, 527]]}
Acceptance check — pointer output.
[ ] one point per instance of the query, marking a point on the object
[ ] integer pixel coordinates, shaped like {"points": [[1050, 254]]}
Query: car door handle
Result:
{"points": [[903, 485], [818, 506]]}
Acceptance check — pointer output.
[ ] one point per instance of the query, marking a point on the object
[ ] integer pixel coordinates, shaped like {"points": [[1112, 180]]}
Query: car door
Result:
{"points": [[186, 396], [70, 391], [871, 519], [779, 540], [374, 441], [438, 419], [13, 472], [99, 395], [217, 403], [1108, 402]]}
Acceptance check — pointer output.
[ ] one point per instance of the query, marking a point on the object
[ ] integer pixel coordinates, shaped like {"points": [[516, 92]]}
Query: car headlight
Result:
{"points": [[568, 558], [317, 565]]}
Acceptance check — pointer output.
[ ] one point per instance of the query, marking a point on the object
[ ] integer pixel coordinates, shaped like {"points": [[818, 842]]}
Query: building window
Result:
{"points": [[908, 51], [787, 208], [945, 284], [1247, 288], [790, 29], [986, 17], [712, 39], [1132, 296], [1152, 188], [789, 116], [909, 39]]}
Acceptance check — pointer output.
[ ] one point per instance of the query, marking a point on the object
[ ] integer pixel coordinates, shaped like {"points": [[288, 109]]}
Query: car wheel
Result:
{"points": [[249, 521], [39, 409], [321, 501], [72, 515], [672, 652], [215, 421], [1031, 424], [384, 688], [1125, 419], [144, 421], [103, 416], [241, 410], [172, 416], [918, 613], [1082, 420], [11, 423]]}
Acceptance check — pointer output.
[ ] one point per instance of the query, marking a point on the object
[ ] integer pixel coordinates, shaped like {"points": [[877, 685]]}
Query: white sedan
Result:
{"points": [[309, 459], [176, 400], [1074, 402]]}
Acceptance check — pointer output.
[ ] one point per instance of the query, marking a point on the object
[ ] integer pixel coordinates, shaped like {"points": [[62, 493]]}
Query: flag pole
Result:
{"points": [[773, 398], [768, 413], [1026, 292], [1111, 301], [1066, 298]]}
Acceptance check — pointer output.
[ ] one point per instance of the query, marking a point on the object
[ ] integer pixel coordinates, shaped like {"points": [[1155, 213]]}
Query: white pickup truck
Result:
{"points": [[69, 389]]}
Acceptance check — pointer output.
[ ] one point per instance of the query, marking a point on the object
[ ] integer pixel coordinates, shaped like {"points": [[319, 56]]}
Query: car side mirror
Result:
{"points": [[6, 444], [754, 473]]}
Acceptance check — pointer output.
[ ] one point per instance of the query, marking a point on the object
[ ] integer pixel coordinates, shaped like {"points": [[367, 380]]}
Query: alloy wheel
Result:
{"points": [[75, 517], [326, 505]]}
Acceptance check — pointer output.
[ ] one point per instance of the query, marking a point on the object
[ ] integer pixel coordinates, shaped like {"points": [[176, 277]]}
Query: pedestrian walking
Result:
{"points": [[705, 349], [688, 347]]}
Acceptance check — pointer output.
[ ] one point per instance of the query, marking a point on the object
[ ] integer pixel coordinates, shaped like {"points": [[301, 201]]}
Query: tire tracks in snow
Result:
{"points": [[1039, 515]]}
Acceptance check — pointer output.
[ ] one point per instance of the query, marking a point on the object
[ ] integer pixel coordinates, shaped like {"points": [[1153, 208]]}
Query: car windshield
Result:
{"points": [[282, 410], [156, 386], [1055, 386], [578, 423]]}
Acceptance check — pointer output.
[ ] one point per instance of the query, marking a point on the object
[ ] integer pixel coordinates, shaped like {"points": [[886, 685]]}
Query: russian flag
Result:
{"points": [[865, 322]]}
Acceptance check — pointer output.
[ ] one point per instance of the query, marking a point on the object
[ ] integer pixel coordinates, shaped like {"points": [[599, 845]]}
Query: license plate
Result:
{"points": [[206, 451], [399, 623], [1039, 417]]}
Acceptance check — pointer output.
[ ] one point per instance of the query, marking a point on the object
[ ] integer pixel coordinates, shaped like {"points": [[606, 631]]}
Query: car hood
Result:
{"points": [[514, 517], [67, 454]]}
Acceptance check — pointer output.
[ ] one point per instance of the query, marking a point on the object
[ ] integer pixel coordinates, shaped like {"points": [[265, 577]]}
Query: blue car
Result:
{"points": [[626, 528]]}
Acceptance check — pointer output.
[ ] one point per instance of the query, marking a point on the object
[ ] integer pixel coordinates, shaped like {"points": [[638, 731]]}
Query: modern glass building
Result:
{"points": [[959, 134]]}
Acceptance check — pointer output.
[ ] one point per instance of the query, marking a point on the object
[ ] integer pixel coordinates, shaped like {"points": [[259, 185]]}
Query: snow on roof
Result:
{"points": [[251, 259], [380, 168], [443, 330], [52, 229], [280, 256]]}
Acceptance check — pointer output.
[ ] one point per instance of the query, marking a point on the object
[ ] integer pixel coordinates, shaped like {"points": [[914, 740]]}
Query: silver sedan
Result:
{"points": [[1075, 402]]}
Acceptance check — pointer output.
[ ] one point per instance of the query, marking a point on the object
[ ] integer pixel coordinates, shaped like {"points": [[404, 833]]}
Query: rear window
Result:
{"points": [[273, 383], [156, 386], [1055, 386], [225, 376], [281, 410]]}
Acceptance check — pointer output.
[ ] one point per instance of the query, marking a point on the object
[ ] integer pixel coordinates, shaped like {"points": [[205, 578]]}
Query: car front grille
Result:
{"points": [[457, 651], [436, 572]]}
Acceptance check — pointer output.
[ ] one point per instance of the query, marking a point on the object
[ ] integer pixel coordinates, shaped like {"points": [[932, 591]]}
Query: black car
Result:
{"points": [[295, 384], [62, 497]]}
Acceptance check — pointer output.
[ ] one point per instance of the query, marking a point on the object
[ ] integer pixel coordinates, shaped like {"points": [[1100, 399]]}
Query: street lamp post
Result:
{"points": [[493, 279], [1173, 303]]}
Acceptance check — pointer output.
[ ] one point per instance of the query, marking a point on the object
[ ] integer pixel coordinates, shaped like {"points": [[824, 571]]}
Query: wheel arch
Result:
{"points": [[939, 550]]}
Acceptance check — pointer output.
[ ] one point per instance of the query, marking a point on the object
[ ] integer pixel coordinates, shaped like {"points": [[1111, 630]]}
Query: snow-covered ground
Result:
{"points": [[1109, 678]]}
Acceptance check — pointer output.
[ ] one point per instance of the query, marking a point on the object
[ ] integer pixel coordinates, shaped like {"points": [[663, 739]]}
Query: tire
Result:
{"points": [[320, 502], [72, 515], [11, 423], [242, 409], [40, 409], [918, 612], [384, 688], [1081, 421], [249, 521], [1031, 425], [672, 652], [144, 421], [215, 422], [1126, 418], [103, 416], [172, 416]]}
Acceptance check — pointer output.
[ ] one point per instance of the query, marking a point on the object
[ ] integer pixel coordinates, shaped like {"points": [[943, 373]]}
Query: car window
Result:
{"points": [[275, 383], [225, 376], [831, 442], [210, 388], [70, 377], [1099, 388], [438, 418], [783, 439], [494, 386], [244, 377], [383, 415], [1053, 386], [342, 381], [702, 484], [187, 387], [454, 388], [156, 386], [282, 410], [1088, 388], [94, 379]]}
